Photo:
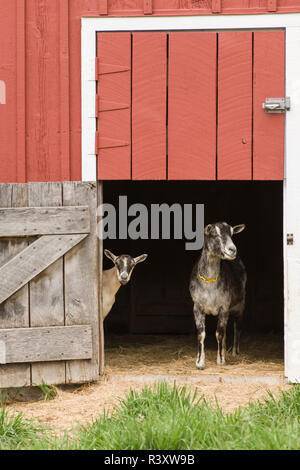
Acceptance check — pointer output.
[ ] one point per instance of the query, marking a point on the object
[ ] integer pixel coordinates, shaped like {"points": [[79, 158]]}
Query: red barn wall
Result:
{"points": [[40, 63]]}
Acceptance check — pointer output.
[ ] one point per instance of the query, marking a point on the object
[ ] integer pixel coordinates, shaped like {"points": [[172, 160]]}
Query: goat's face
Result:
{"points": [[218, 239], [125, 265]]}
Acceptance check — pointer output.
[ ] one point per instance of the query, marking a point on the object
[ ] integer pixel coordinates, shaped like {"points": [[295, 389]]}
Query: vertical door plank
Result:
{"points": [[149, 91], [234, 156], [100, 284], [269, 82], [46, 290], [113, 140], [82, 282], [14, 313], [192, 106]]}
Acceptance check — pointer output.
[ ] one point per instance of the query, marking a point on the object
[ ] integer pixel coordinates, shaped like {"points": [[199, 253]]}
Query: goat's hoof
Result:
{"points": [[221, 362], [235, 353], [200, 366]]}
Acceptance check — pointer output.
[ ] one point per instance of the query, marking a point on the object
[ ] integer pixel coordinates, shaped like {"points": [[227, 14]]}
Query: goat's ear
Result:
{"points": [[140, 259], [238, 228], [110, 255], [207, 229]]}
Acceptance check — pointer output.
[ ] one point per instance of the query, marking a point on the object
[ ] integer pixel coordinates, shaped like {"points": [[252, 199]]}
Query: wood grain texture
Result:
{"points": [[43, 95], [33, 260], [105, 105], [81, 282], [149, 106], [192, 106], [201, 7], [8, 78], [269, 82], [21, 92], [47, 289], [58, 285], [100, 283], [64, 69], [42, 57], [272, 5], [148, 7], [103, 7], [14, 313], [114, 125], [216, 6], [34, 221], [19, 345], [235, 106]]}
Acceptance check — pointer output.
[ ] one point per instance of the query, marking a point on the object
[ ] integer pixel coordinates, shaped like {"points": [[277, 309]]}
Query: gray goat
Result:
{"points": [[218, 287]]}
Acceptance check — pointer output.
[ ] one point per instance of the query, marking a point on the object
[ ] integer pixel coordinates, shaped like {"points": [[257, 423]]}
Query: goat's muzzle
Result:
{"points": [[230, 253], [124, 278]]}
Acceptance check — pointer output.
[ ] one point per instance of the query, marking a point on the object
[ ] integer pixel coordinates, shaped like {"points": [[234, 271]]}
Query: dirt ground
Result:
{"points": [[85, 403], [133, 361], [176, 355]]}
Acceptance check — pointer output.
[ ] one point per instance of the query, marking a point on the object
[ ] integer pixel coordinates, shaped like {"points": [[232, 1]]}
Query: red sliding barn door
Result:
{"points": [[188, 105]]}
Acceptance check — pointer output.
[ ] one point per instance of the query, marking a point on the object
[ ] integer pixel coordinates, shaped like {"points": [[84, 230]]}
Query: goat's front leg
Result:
{"points": [[200, 325], [221, 336]]}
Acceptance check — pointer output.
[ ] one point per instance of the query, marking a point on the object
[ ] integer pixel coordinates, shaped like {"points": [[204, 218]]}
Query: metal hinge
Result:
{"points": [[290, 239], [277, 105]]}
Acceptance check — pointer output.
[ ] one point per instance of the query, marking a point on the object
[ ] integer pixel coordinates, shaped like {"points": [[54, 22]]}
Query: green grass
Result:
{"points": [[49, 391], [16, 433], [165, 417]]}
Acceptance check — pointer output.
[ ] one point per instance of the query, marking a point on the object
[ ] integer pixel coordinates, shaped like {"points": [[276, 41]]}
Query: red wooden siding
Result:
{"points": [[113, 141], [40, 130], [269, 82], [192, 106], [8, 111], [45, 124], [21, 94], [235, 106], [149, 89], [191, 7]]}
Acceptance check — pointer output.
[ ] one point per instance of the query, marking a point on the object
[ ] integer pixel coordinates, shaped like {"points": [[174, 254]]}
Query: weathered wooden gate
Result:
{"points": [[49, 283]]}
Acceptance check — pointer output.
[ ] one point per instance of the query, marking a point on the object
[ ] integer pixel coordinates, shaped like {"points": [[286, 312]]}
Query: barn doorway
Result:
{"points": [[152, 321], [185, 107]]}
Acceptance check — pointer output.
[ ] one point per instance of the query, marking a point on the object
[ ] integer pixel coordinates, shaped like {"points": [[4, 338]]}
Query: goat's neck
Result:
{"points": [[114, 283], [209, 265]]}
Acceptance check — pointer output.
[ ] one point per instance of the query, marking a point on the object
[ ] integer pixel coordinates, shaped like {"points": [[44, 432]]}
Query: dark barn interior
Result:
{"points": [[157, 300]]}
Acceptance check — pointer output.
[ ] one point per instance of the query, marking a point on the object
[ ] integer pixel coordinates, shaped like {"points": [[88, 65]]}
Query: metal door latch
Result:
{"points": [[277, 105], [290, 238]]}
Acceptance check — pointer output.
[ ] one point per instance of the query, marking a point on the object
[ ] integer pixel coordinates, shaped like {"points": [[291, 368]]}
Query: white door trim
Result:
{"points": [[291, 22]]}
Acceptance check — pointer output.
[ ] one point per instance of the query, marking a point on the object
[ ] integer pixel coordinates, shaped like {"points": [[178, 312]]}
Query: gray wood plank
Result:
{"points": [[47, 290], [34, 221], [14, 313], [100, 282], [81, 281], [33, 260], [19, 345]]}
